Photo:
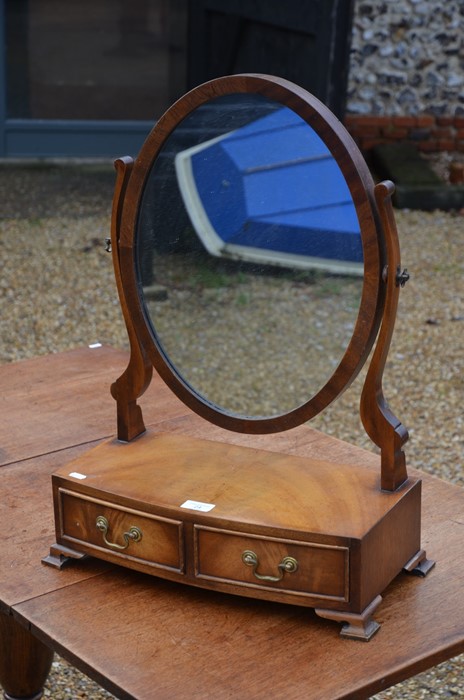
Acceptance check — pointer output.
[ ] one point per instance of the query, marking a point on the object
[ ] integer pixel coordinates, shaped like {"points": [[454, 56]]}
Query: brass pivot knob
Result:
{"points": [[402, 277]]}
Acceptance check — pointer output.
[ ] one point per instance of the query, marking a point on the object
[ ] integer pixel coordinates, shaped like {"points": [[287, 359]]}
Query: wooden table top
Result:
{"points": [[139, 636]]}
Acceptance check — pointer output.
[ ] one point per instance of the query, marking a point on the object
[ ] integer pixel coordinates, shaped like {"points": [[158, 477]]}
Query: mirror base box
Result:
{"points": [[240, 520]]}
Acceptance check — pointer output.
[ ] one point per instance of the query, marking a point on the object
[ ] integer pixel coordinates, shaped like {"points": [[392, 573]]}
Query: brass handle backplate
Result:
{"points": [[134, 534], [288, 565]]}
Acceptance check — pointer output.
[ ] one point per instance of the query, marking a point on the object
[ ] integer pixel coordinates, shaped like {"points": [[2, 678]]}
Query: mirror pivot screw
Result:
{"points": [[402, 277]]}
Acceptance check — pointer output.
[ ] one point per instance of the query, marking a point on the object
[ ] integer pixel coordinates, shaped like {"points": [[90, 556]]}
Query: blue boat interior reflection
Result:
{"points": [[270, 192]]}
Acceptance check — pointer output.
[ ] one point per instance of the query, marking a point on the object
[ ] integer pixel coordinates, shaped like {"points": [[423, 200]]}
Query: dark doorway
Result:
{"points": [[90, 77], [306, 41]]}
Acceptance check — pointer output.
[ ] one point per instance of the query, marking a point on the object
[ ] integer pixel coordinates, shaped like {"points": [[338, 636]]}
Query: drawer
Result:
{"points": [[125, 533], [306, 569]]}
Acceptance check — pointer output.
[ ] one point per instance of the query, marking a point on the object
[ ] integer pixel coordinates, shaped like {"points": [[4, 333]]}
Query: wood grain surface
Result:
{"points": [[185, 642], [43, 401], [139, 636]]}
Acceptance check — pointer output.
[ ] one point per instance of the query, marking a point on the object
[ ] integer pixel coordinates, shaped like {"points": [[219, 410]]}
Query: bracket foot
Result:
{"points": [[60, 556], [419, 565], [357, 625]]}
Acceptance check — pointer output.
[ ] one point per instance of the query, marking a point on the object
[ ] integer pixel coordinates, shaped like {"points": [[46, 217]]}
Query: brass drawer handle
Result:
{"points": [[134, 534], [288, 565]]}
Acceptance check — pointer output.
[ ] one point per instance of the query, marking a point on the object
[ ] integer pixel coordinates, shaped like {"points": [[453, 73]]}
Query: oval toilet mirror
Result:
{"points": [[256, 264], [256, 253]]}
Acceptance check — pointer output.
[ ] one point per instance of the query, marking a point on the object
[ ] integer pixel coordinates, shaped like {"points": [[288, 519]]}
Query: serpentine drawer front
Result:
{"points": [[298, 568], [123, 532], [155, 506]]}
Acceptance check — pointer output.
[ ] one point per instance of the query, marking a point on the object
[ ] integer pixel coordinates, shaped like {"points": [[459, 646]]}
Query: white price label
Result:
{"points": [[198, 505]]}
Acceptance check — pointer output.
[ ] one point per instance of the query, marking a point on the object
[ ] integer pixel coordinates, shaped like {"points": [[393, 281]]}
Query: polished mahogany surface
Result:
{"points": [[183, 641]]}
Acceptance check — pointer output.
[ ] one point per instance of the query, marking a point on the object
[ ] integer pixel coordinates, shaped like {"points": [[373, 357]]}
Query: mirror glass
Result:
{"points": [[249, 256]]}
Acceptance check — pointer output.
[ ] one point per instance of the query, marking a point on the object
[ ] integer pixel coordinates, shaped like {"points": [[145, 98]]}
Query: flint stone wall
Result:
{"points": [[407, 58]]}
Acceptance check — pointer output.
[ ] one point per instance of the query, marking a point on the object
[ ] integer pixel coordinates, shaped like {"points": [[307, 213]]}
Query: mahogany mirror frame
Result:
{"points": [[379, 293]]}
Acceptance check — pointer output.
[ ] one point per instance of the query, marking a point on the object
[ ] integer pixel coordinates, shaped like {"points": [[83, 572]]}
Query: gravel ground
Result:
{"points": [[57, 292], [266, 318]]}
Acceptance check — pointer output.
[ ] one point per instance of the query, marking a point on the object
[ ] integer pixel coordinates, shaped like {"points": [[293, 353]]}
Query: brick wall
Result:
{"points": [[427, 132], [406, 77]]}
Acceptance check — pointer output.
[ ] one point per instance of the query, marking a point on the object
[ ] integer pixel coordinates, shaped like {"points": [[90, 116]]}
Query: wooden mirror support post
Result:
{"points": [[137, 377], [304, 531]]}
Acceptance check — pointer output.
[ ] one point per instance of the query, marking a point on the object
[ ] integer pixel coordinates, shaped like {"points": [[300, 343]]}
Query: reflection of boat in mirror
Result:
{"points": [[271, 192]]}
